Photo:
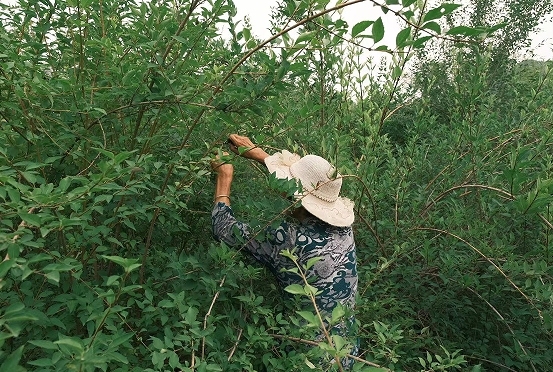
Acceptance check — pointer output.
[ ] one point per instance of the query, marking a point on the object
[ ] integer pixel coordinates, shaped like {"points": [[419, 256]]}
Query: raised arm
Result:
{"points": [[224, 172], [243, 146]]}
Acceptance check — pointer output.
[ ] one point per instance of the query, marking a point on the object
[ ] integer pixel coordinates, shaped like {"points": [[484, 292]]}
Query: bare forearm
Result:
{"points": [[258, 155], [222, 188], [243, 146]]}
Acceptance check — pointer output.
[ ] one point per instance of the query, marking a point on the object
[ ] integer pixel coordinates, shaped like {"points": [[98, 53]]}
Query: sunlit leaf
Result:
{"points": [[128, 264], [378, 30], [360, 27], [403, 36], [306, 36], [440, 11], [295, 289], [434, 26], [30, 218]]}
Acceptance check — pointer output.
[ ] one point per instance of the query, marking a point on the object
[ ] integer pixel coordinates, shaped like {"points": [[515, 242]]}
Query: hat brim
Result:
{"points": [[338, 213], [280, 163]]}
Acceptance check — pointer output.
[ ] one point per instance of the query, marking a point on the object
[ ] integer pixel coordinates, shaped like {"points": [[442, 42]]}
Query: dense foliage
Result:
{"points": [[110, 112]]}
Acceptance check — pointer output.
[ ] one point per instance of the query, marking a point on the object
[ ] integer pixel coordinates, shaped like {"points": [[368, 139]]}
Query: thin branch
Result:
{"points": [[235, 345], [21, 226], [395, 86], [548, 223], [314, 343], [491, 362], [504, 193], [311, 296], [209, 313], [529, 300], [417, 25], [505, 322]]}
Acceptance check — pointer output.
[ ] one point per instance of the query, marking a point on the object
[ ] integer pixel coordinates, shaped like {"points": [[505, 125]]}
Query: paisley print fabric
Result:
{"points": [[334, 275]]}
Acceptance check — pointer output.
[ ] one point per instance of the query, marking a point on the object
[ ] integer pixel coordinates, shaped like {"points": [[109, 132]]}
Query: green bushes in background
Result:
{"points": [[109, 114]]}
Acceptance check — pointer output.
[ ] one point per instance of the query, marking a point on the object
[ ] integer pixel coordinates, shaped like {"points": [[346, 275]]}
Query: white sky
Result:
{"points": [[259, 14]]}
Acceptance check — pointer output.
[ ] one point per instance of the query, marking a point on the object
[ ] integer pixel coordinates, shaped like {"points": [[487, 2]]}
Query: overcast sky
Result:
{"points": [[259, 13]]}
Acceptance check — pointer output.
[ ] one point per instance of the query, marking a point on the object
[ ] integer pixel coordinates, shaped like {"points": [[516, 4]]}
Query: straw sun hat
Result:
{"points": [[320, 183]]}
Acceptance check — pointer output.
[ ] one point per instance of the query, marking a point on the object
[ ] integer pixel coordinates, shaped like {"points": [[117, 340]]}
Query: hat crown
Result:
{"points": [[318, 177]]}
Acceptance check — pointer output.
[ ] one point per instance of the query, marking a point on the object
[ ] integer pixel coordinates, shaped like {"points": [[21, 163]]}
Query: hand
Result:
{"points": [[243, 146], [220, 167]]}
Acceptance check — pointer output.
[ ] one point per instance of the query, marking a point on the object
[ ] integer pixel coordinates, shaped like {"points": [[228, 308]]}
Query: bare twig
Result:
{"points": [[311, 296], [504, 193], [529, 300], [491, 362], [545, 221], [314, 343], [209, 313], [21, 225], [235, 345], [505, 322]]}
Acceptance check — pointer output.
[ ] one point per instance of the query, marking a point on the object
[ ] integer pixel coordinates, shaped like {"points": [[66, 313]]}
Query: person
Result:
{"points": [[323, 228]]}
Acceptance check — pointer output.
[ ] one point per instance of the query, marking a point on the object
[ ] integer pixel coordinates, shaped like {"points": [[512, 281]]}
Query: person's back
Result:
{"points": [[334, 274], [323, 231]]}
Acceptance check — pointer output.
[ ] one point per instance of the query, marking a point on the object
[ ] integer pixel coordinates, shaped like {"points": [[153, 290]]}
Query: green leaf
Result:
{"points": [[119, 158], [306, 36], [29, 176], [108, 154], [419, 43], [295, 289], [310, 364], [45, 344], [337, 313], [13, 309], [42, 362], [5, 266], [402, 37], [112, 279], [54, 276], [243, 149], [310, 317], [64, 184], [179, 39], [310, 289], [246, 33], [339, 342], [70, 342], [440, 11], [14, 194], [30, 219], [434, 26], [360, 27], [157, 343], [100, 110], [312, 261], [289, 254], [128, 264], [396, 72], [378, 30], [12, 361], [133, 267]]}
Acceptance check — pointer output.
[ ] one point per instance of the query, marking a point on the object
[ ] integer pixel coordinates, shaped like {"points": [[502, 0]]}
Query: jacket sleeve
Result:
{"points": [[264, 246]]}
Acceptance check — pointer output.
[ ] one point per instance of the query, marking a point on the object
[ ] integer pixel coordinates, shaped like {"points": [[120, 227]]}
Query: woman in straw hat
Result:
{"points": [[323, 228]]}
